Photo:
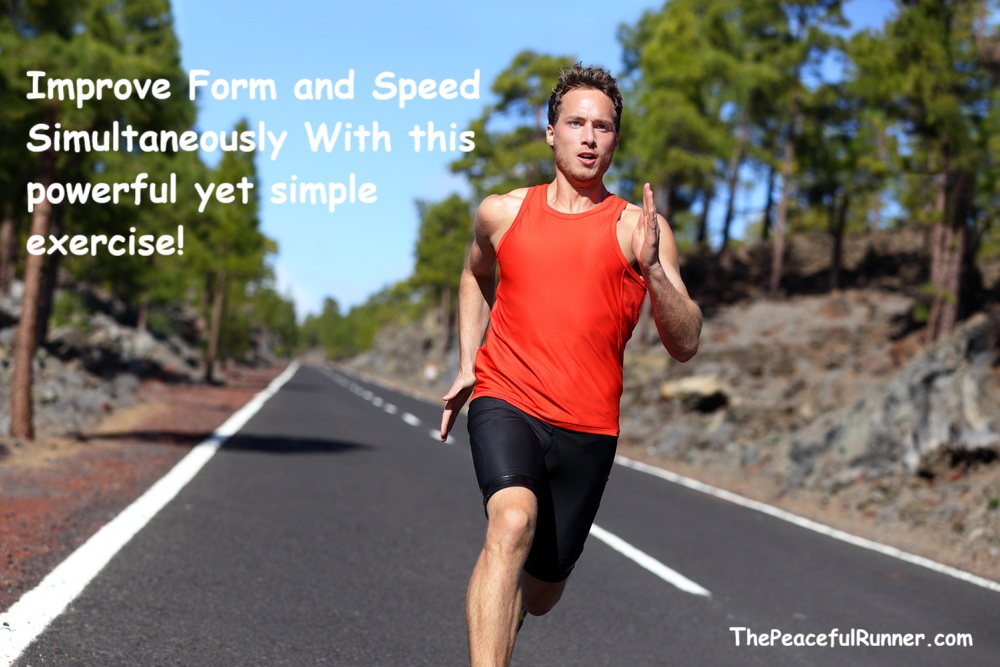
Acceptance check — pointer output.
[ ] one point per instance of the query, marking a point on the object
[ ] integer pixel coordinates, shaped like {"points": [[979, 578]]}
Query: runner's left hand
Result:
{"points": [[646, 237]]}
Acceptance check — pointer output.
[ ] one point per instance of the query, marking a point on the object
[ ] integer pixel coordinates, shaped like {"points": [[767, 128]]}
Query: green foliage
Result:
{"points": [[673, 131], [342, 336], [231, 252], [69, 310], [511, 150], [274, 315], [135, 39], [442, 243], [721, 90], [324, 331], [714, 90], [926, 71]]}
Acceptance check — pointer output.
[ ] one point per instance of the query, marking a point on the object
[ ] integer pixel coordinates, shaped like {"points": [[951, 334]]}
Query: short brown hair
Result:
{"points": [[580, 77]]}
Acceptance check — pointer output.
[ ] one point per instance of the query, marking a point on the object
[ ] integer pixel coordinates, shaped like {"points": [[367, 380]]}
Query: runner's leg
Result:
{"points": [[494, 597], [539, 596]]}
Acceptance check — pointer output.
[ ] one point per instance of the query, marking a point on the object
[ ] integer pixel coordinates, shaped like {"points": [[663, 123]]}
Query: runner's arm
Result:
{"points": [[678, 318], [476, 292]]}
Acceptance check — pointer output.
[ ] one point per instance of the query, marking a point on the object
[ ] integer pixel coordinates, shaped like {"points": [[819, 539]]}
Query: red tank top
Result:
{"points": [[565, 307]]}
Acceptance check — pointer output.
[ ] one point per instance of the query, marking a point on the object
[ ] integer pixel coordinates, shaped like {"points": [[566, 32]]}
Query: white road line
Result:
{"points": [[412, 420], [28, 617], [809, 524], [390, 408], [672, 577]]}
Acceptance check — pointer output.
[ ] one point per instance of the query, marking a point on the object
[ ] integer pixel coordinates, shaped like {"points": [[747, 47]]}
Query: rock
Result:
{"points": [[943, 399], [10, 305], [704, 393], [814, 395], [107, 348], [7, 338], [82, 372]]}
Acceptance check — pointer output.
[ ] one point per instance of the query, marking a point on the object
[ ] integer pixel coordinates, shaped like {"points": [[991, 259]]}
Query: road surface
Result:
{"points": [[334, 528]]}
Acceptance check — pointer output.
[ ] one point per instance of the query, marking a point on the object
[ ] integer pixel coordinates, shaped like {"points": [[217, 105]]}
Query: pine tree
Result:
{"points": [[442, 242], [234, 253], [511, 150], [927, 69]]}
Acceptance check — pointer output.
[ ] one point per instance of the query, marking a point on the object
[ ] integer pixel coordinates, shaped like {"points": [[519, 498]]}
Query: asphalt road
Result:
{"points": [[335, 529]]}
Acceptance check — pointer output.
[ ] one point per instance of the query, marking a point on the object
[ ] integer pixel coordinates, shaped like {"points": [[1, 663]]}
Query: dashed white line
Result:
{"points": [[621, 546], [646, 561]]}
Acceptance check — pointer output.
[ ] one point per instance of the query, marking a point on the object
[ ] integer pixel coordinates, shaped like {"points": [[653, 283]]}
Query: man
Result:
{"points": [[575, 265]]}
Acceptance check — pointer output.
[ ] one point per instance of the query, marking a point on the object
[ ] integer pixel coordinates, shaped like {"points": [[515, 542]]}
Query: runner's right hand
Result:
{"points": [[454, 400]]}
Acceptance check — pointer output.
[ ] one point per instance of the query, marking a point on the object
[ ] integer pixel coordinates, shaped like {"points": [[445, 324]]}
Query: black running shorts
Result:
{"points": [[566, 470]]}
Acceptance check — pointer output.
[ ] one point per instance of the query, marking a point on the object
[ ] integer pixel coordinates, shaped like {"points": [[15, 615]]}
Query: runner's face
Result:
{"points": [[584, 137]]}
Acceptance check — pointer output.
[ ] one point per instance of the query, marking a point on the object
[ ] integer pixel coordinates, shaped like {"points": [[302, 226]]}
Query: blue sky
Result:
{"points": [[360, 248]]}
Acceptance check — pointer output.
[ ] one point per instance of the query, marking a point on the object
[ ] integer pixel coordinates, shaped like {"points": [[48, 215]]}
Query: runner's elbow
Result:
{"points": [[683, 353], [684, 346]]}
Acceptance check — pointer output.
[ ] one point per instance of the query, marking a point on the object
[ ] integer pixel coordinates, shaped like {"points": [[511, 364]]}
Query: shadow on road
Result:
{"points": [[272, 444], [150, 436], [275, 444]]}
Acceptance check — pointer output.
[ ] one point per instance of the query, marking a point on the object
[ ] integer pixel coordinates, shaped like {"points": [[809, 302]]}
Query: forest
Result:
{"points": [[841, 132]]}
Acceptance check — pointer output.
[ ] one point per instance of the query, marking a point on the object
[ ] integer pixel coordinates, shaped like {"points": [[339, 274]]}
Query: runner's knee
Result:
{"points": [[511, 521]]}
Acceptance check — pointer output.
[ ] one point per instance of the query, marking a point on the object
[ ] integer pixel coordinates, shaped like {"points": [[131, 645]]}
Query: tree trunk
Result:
{"points": [[215, 326], [142, 320], [765, 224], [21, 407], [947, 250], [956, 259], [50, 280], [8, 249], [875, 214], [838, 223], [666, 198], [780, 225], [787, 168], [707, 196], [732, 184]]}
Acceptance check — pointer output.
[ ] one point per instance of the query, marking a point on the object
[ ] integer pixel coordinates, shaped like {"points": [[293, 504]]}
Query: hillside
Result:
{"points": [[825, 403]]}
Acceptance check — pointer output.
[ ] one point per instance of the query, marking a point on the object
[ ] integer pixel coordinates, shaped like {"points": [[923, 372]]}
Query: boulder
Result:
{"points": [[107, 347], [944, 399], [704, 393]]}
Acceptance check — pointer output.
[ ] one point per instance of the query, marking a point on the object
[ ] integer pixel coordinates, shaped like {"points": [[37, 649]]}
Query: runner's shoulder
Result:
{"points": [[630, 214], [497, 212]]}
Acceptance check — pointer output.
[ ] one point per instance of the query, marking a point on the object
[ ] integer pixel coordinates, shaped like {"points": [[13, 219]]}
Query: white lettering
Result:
{"points": [[407, 90]]}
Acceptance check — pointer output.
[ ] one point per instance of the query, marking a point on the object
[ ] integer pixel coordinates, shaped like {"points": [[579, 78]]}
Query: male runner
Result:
{"points": [[575, 265]]}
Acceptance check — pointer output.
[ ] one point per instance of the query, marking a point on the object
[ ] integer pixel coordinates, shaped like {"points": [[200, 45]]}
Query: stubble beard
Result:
{"points": [[579, 174]]}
